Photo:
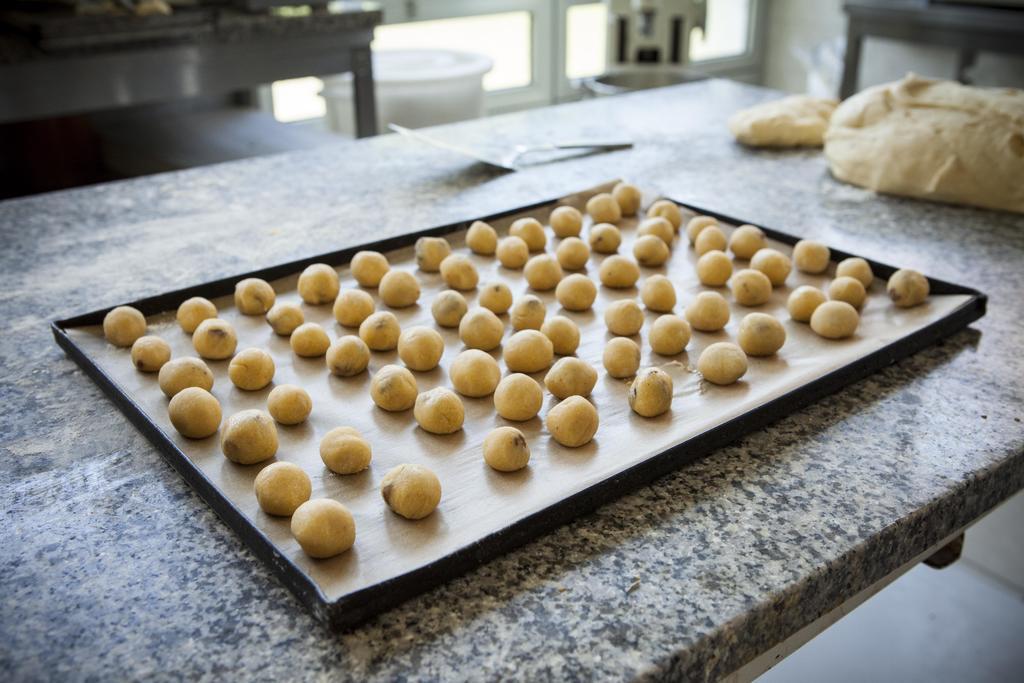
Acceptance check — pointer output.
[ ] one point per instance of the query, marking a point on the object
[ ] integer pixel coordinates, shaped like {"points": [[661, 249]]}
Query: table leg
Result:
{"points": [[365, 101], [851, 61]]}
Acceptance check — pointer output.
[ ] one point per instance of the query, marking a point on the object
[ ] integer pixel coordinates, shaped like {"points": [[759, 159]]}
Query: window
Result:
{"points": [[586, 36], [725, 35]]}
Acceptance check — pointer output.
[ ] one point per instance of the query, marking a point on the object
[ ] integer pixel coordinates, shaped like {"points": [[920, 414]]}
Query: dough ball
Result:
{"points": [[284, 318], [621, 357], [566, 221], [746, 240], [281, 487], [669, 210], [794, 121], [323, 528], [658, 294], [399, 288], [624, 317], [481, 329], [506, 450], [481, 238], [696, 225], [659, 227], [193, 311], [803, 301], [907, 288], [412, 491], [573, 422], [710, 238], [518, 397], [708, 312], [605, 238], [289, 404], [393, 388], [761, 334], [835, 320], [254, 296], [352, 307], [722, 363], [123, 325], [528, 313], [347, 356], [604, 209], [714, 268], [495, 297], [420, 348], [474, 373], [380, 331], [772, 263], [563, 333], [182, 373], [459, 272], [573, 253], [628, 196], [528, 351], [448, 308], [439, 411], [215, 339], [530, 231], [251, 369], [619, 272], [345, 451], [650, 251], [857, 268], [750, 287], [368, 267], [570, 376], [249, 437], [309, 340], [576, 292], [811, 256], [669, 335], [513, 252], [847, 289], [650, 394], [542, 272], [318, 284], [149, 354], [430, 252], [194, 412]]}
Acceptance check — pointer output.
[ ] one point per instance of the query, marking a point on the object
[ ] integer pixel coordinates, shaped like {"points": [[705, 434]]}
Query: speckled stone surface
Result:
{"points": [[112, 568]]}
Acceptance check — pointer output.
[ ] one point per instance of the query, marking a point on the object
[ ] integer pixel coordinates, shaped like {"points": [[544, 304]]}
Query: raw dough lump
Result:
{"points": [[506, 450], [251, 369], [284, 318], [803, 301], [513, 252], [474, 373], [542, 272], [573, 422], [430, 252], [380, 331], [628, 196], [563, 333], [439, 411], [604, 209], [835, 320], [566, 221], [352, 307], [420, 348], [323, 528], [624, 318], [621, 357], [345, 451], [318, 284], [714, 268], [722, 363], [481, 329], [289, 404], [481, 238], [528, 313], [399, 288], [215, 339], [530, 231], [193, 311], [518, 397], [811, 256], [576, 292], [254, 296], [309, 340], [696, 226], [708, 312], [669, 335], [573, 253], [750, 287], [393, 388], [412, 491], [448, 308], [619, 272], [857, 268], [605, 238], [368, 267], [182, 373], [194, 412], [459, 272], [847, 289], [495, 297], [794, 121], [347, 356], [746, 240], [150, 353], [528, 351], [281, 487], [772, 263], [710, 238], [761, 334], [570, 376], [650, 251], [658, 294], [659, 227], [650, 394], [249, 437], [668, 210], [123, 325], [907, 288]]}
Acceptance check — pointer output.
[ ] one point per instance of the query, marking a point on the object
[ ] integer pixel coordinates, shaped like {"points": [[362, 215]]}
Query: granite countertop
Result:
{"points": [[113, 568]]}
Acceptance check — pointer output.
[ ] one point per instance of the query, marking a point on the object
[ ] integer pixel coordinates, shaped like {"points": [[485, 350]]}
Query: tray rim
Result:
{"points": [[352, 609]]}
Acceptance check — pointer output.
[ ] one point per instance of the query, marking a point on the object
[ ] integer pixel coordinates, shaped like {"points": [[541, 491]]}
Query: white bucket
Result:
{"points": [[415, 88]]}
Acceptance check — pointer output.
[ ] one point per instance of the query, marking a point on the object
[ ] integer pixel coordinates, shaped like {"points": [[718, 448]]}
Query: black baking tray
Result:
{"points": [[354, 608]]}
